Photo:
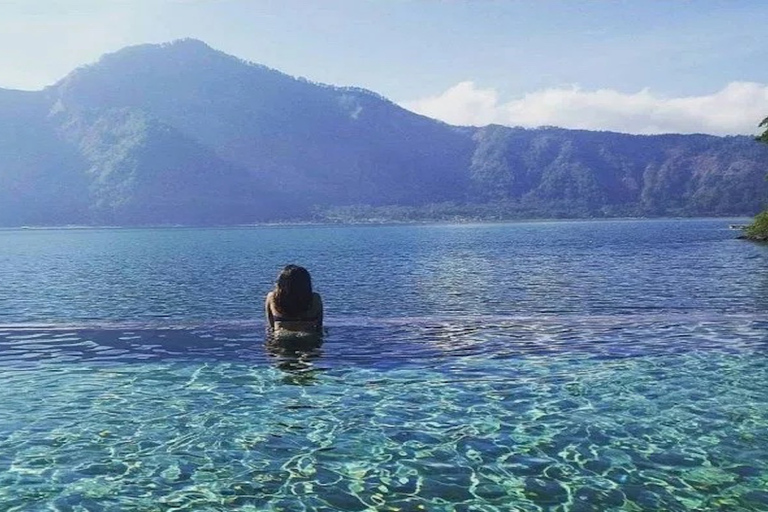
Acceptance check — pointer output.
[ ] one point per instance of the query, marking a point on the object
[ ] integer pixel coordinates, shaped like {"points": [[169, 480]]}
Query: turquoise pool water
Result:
{"points": [[544, 366]]}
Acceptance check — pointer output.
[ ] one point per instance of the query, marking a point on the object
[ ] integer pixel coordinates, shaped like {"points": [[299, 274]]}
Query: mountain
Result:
{"points": [[180, 133], [591, 173], [40, 174]]}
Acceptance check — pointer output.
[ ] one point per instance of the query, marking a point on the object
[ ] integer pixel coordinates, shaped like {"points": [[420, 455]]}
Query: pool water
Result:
{"points": [[543, 366]]}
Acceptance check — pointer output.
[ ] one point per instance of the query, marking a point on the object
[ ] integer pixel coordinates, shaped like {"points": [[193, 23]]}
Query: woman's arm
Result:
{"points": [[268, 311], [319, 306]]}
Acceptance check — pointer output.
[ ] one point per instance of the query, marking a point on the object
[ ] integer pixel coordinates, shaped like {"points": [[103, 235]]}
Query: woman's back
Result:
{"points": [[310, 320], [292, 305]]}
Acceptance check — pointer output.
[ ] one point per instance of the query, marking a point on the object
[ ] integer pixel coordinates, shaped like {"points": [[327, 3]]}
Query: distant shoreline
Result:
{"points": [[371, 222]]}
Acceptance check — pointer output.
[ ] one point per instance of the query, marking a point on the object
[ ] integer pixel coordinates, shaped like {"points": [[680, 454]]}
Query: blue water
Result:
{"points": [[613, 365]]}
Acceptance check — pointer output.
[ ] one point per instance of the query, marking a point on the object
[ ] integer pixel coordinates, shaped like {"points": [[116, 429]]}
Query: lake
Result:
{"points": [[570, 366]]}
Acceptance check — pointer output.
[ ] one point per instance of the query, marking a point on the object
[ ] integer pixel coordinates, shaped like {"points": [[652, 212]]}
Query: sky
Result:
{"points": [[640, 66]]}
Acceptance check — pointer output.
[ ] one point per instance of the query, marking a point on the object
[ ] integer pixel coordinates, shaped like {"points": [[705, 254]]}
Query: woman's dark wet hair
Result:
{"points": [[293, 291]]}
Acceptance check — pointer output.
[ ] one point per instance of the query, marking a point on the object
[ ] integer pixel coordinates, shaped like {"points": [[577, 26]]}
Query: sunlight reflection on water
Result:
{"points": [[654, 411]]}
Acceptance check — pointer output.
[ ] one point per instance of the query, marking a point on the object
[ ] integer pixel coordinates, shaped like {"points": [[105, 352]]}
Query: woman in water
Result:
{"points": [[292, 306]]}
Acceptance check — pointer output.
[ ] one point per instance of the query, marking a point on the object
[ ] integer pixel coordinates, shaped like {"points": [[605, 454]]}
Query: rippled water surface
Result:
{"points": [[617, 365]]}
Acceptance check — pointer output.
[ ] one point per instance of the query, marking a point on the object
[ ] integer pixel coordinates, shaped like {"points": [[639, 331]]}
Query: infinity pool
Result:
{"points": [[648, 412]]}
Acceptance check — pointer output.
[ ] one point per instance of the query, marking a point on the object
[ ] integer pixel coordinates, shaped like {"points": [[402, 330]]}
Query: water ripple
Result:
{"points": [[393, 342]]}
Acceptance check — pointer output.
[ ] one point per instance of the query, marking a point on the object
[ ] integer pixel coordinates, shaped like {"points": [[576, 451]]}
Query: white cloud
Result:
{"points": [[736, 109]]}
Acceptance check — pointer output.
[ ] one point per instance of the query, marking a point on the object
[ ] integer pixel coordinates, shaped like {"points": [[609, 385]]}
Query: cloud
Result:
{"points": [[735, 109]]}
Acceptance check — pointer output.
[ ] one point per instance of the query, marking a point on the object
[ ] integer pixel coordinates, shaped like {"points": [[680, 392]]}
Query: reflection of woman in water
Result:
{"points": [[292, 307]]}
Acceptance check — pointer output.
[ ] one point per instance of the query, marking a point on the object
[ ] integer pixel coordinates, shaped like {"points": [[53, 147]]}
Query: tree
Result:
{"points": [[763, 137], [758, 230]]}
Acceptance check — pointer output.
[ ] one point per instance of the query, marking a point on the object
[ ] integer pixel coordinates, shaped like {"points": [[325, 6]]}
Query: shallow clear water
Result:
{"points": [[540, 366]]}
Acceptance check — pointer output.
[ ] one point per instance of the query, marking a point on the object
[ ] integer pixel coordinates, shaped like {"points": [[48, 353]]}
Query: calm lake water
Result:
{"points": [[569, 366]]}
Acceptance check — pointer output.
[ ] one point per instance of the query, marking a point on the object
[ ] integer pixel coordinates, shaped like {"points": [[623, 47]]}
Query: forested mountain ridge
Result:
{"points": [[180, 133], [612, 173]]}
